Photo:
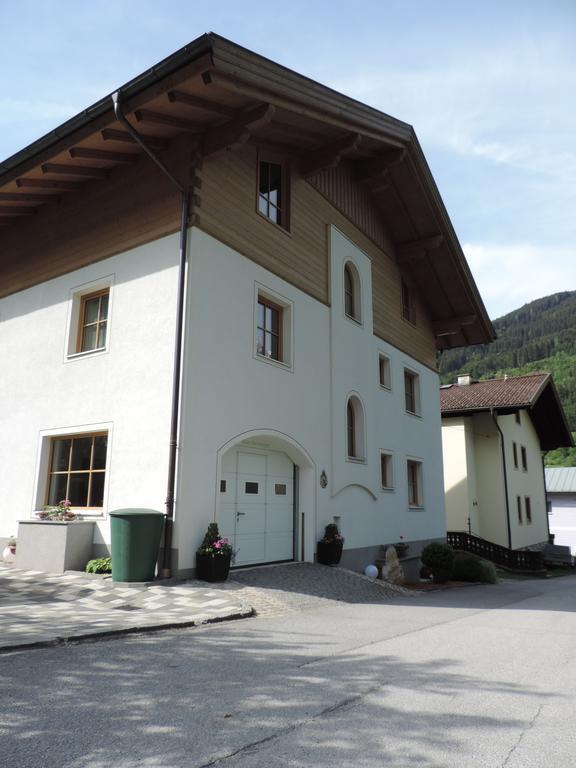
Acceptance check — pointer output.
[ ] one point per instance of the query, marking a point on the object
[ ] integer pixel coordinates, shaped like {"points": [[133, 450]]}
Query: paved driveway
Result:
{"points": [[480, 677]]}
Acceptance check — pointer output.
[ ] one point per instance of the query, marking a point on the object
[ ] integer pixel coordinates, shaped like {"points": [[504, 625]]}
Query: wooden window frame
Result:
{"points": [[519, 509], [408, 305], [415, 482], [524, 458], [528, 510], [384, 371], [284, 209], [349, 297], [69, 471], [82, 325], [414, 379], [275, 307], [386, 471]]}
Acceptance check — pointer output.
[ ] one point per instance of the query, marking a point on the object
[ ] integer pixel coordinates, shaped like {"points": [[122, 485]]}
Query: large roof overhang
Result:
{"points": [[223, 95]]}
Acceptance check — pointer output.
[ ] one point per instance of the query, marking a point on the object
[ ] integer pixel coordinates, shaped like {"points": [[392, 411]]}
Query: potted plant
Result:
{"points": [[439, 558], [329, 549], [214, 556], [9, 553], [60, 511]]}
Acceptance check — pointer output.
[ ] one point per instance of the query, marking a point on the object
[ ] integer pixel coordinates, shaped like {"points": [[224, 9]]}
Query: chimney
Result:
{"points": [[464, 380]]}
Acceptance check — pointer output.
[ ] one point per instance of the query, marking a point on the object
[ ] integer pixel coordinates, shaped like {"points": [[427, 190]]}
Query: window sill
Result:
{"points": [[272, 361], [414, 414], [274, 224], [354, 320], [88, 353], [412, 323], [416, 507], [387, 489], [386, 388], [355, 460]]}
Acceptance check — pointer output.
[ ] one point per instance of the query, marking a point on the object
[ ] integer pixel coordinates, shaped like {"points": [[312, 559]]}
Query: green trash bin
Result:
{"points": [[135, 535]]}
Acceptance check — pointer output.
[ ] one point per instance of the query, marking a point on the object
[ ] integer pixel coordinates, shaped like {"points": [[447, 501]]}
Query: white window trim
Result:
{"points": [[417, 392], [73, 319], [387, 488], [420, 462], [360, 430], [43, 457], [358, 293], [385, 387], [287, 307]]}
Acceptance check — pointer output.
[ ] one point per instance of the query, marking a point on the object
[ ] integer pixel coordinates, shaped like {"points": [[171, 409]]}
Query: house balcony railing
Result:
{"points": [[512, 559]]}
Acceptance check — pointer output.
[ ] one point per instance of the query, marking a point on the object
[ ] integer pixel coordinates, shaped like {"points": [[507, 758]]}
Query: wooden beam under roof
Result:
{"points": [[64, 186], [237, 131], [329, 155], [198, 102], [75, 170], [417, 249], [154, 142], [452, 326], [15, 210], [104, 154], [377, 168], [159, 118], [24, 197]]}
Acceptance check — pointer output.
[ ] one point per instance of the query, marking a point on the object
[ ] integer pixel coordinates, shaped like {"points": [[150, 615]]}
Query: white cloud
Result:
{"points": [[510, 275]]}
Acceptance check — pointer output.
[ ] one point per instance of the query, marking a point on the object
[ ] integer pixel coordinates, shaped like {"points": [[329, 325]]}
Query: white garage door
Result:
{"points": [[257, 505]]}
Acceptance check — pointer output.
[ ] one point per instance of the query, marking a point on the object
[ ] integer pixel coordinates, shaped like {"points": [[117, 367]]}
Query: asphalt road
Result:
{"points": [[473, 677]]}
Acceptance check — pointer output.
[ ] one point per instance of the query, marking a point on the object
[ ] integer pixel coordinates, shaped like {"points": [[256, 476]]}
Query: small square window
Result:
{"points": [[386, 471], [93, 322], [412, 392], [251, 488], [77, 469], [384, 376], [280, 489], [414, 471], [273, 190]]}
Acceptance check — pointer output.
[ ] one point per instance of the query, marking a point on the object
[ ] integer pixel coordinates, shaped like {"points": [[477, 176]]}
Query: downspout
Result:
{"points": [[495, 420], [166, 570], [546, 498]]}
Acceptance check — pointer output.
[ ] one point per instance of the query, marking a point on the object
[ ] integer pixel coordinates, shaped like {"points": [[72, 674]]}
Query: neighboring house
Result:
{"points": [[493, 436], [323, 275], [561, 496]]}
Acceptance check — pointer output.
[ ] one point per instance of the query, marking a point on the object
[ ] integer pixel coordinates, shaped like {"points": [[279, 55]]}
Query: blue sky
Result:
{"points": [[489, 88]]}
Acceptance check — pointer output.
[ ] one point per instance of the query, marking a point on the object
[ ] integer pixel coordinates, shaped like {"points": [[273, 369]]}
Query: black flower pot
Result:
{"points": [[329, 552], [212, 567]]}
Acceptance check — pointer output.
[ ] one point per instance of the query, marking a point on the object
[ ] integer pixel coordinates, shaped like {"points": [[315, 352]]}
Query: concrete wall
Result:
{"points": [[562, 517]]}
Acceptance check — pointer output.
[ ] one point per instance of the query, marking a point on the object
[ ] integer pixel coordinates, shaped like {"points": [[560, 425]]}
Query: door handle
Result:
{"points": [[238, 514]]}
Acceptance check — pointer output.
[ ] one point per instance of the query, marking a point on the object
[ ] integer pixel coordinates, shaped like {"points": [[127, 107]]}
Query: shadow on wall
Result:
{"points": [[193, 698]]}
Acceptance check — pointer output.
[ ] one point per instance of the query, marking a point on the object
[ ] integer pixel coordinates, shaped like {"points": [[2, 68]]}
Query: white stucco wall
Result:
{"points": [[124, 390], [562, 518]]}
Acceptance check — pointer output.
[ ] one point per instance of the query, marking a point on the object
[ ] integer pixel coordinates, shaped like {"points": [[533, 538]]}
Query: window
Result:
{"points": [[386, 474], [352, 297], [384, 372], [269, 329], [528, 508], [524, 459], [412, 392], [414, 470], [408, 307], [355, 429], [77, 470], [519, 509], [93, 323], [251, 488], [515, 454], [272, 190], [517, 417]]}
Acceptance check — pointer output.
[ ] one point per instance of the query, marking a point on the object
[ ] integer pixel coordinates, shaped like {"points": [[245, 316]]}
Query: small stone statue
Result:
{"points": [[394, 571]]}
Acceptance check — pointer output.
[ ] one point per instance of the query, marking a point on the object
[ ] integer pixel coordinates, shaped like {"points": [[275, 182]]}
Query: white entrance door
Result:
{"points": [[257, 505]]}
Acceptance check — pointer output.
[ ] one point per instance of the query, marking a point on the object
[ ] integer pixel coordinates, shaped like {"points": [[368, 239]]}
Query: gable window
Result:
{"points": [[93, 324], [354, 429], [386, 471], [408, 306], [77, 470], [519, 509], [515, 455], [412, 392], [414, 472], [273, 190], [352, 300], [524, 459], [384, 372], [528, 509]]}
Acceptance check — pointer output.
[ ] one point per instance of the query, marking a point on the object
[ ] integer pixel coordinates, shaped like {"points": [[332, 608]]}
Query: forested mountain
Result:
{"points": [[540, 336]]}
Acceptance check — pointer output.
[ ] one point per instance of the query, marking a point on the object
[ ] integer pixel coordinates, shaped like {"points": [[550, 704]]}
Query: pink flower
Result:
{"points": [[224, 541], [217, 544]]}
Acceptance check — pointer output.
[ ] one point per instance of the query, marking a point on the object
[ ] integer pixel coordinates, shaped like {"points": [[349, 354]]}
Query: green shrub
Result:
{"points": [[469, 567], [439, 558], [99, 565]]}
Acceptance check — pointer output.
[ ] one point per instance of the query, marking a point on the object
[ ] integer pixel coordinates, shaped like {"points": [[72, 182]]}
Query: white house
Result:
{"points": [[494, 434], [561, 498], [304, 240]]}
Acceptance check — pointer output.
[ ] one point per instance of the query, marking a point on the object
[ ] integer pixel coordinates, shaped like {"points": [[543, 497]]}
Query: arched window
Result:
{"points": [[354, 428], [352, 292]]}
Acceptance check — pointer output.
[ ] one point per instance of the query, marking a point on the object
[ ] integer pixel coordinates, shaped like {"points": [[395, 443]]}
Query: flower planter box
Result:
{"points": [[212, 567], [54, 546], [329, 553]]}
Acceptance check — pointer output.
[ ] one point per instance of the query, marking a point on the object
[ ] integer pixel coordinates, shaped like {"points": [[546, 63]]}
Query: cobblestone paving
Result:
{"points": [[276, 589], [45, 608]]}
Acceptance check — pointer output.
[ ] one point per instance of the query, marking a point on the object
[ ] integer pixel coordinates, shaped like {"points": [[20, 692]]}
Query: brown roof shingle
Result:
{"points": [[513, 392]]}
